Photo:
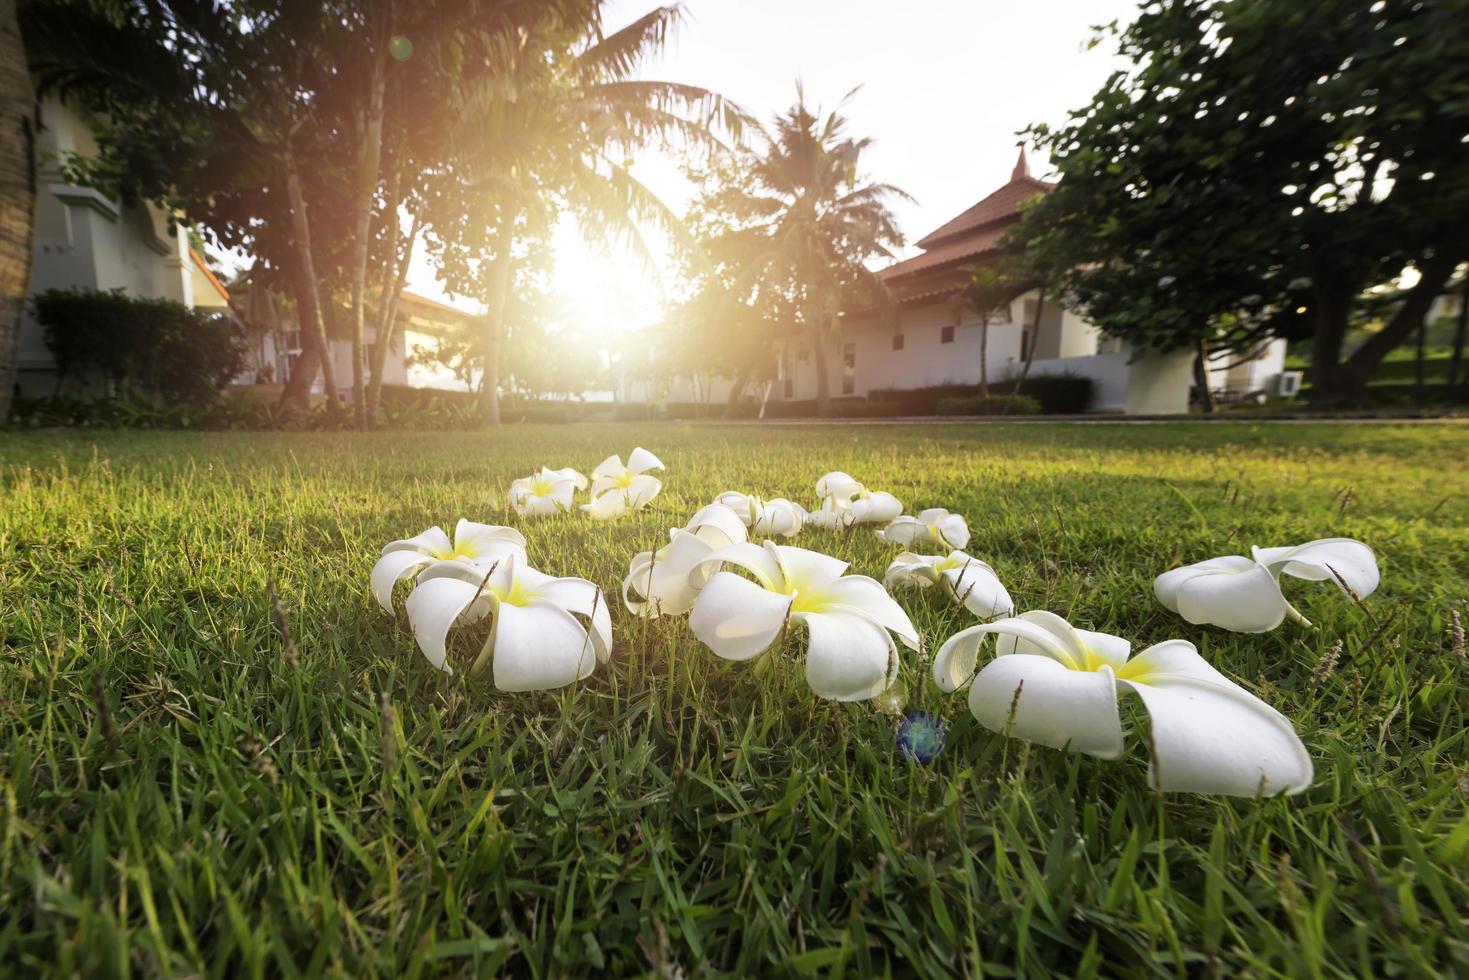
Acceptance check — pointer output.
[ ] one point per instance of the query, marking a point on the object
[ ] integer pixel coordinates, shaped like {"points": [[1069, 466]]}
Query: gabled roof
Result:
{"points": [[1002, 205], [970, 246]]}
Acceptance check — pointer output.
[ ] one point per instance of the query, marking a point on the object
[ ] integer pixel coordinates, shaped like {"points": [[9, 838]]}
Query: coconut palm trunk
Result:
{"points": [[17, 194]]}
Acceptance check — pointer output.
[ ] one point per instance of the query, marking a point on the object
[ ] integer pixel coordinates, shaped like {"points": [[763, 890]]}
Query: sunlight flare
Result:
{"points": [[1058, 685]]}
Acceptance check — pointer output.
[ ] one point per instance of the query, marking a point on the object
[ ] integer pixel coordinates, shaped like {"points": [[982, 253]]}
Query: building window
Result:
{"points": [[849, 368], [946, 335], [897, 341]]}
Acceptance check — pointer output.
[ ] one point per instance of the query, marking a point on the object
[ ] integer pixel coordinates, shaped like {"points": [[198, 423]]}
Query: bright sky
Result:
{"points": [[945, 86]]}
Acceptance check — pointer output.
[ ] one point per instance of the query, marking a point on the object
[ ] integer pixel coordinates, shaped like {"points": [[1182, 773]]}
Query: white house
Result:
{"points": [[85, 239], [935, 339]]}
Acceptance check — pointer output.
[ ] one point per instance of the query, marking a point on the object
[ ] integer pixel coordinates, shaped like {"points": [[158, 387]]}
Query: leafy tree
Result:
{"points": [[1257, 167], [550, 129], [811, 221], [17, 194]]}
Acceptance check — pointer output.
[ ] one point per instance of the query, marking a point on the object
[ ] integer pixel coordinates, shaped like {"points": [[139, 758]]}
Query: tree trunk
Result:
{"points": [[306, 266], [1349, 380], [1029, 353], [297, 389], [17, 195], [984, 357], [387, 320], [1459, 331], [498, 294], [1333, 295], [1201, 378], [818, 354], [369, 163], [741, 381]]}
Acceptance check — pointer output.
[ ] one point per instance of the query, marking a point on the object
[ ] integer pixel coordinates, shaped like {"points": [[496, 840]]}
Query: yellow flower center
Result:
{"points": [[541, 488]]}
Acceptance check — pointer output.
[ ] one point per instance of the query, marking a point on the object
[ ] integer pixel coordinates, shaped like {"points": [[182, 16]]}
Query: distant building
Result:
{"points": [[85, 239], [936, 337]]}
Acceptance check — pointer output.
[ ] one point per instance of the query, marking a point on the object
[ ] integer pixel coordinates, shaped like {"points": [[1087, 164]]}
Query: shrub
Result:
{"points": [[993, 405], [1063, 394], [157, 345]]}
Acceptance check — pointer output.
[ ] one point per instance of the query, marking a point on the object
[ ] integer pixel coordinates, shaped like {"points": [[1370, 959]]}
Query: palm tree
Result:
{"points": [[552, 128], [17, 193], [814, 220]]}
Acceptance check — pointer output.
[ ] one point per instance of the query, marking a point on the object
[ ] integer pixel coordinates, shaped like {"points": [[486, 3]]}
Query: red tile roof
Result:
{"points": [[1002, 205], [970, 246]]}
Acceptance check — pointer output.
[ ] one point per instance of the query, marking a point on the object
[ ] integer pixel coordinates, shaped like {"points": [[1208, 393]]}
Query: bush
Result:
{"points": [[1064, 394], [156, 345], [993, 405]]}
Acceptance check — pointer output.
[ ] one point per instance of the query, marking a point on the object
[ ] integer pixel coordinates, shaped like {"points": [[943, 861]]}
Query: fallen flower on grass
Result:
{"points": [[666, 582], [968, 581], [932, 526], [765, 517], [850, 655], [616, 488], [1057, 685], [845, 501], [547, 492], [481, 544], [1244, 595], [536, 642]]}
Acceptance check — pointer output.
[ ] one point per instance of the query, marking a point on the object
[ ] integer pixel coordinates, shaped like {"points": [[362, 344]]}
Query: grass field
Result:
{"points": [[176, 798]]}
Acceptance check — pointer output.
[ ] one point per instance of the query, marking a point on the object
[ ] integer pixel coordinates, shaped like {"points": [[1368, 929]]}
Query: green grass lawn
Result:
{"points": [[176, 798]]}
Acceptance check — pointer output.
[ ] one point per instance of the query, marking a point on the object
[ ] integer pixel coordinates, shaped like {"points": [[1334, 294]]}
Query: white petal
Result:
{"points": [[976, 586], [736, 618], [909, 570], [906, 530], [669, 584], [486, 541], [718, 526], [880, 507], [636, 586], [1316, 560], [431, 542], [953, 665], [643, 489], [578, 596], [539, 646], [609, 467], [1209, 734], [837, 484], [741, 503], [805, 569], [433, 606], [832, 515], [640, 461], [954, 531], [607, 506], [1044, 634], [754, 558], [1166, 586], [866, 597], [778, 516], [392, 568], [848, 657], [567, 473], [1245, 602], [1038, 699]]}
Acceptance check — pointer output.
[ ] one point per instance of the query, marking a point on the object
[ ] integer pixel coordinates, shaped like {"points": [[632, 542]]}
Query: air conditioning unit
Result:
{"points": [[1286, 384]]}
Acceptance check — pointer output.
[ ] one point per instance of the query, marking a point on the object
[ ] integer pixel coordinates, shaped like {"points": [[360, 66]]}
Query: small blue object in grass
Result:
{"points": [[921, 736]]}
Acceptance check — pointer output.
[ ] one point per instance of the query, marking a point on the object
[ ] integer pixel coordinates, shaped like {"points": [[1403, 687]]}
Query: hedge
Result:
{"points": [[993, 405]]}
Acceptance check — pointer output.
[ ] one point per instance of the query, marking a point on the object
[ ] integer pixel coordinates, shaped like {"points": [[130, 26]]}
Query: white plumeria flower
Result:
{"points": [[969, 581], [481, 544], [616, 489], [849, 654], [932, 526], [667, 582], [547, 492], [536, 642], [765, 517], [845, 502], [1243, 594], [1057, 685]]}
